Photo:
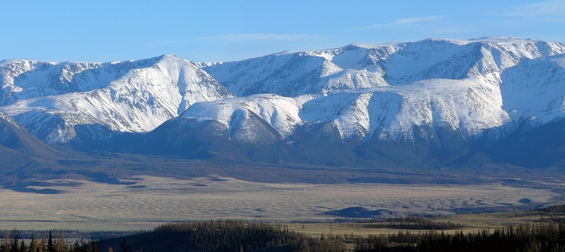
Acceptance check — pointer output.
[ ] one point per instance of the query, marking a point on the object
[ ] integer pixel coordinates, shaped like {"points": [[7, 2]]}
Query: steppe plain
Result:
{"points": [[143, 202]]}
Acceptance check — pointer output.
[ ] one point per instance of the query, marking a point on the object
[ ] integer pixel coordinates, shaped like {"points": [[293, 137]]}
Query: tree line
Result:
{"points": [[243, 236], [12, 241], [254, 236], [529, 237], [411, 222]]}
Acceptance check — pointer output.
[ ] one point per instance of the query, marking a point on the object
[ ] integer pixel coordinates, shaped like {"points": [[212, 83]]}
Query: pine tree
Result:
{"points": [[32, 244], [23, 247], [50, 247], [15, 241], [124, 245]]}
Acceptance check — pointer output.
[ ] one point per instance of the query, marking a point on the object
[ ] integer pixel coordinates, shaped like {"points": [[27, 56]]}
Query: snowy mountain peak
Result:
{"points": [[434, 83], [128, 96], [413, 90]]}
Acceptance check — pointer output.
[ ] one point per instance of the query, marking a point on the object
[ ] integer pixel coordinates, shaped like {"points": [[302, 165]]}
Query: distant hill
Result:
{"points": [[18, 148]]}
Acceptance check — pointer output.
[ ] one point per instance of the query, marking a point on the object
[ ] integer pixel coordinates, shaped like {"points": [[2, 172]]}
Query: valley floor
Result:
{"points": [[145, 201]]}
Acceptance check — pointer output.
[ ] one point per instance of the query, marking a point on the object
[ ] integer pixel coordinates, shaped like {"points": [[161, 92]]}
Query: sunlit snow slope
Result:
{"points": [[473, 89], [478, 88], [57, 101]]}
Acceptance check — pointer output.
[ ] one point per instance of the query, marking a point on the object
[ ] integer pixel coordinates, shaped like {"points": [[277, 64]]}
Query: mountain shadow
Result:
{"points": [[532, 147]]}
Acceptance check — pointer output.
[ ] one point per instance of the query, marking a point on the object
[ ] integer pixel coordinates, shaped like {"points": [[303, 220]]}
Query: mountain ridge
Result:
{"points": [[428, 97]]}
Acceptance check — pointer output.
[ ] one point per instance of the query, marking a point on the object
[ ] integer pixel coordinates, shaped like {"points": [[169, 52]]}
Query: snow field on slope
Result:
{"points": [[280, 112], [138, 101], [468, 106], [470, 86]]}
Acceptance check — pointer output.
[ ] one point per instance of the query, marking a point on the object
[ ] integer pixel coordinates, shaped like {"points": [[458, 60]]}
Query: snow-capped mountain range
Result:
{"points": [[478, 89], [52, 99]]}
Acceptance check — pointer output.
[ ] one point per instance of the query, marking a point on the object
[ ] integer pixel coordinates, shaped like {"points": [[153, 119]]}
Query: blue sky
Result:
{"points": [[232, 30]]}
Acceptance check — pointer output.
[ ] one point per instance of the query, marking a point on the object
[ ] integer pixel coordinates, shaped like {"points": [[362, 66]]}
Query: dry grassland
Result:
{"points": [[148, 201]]}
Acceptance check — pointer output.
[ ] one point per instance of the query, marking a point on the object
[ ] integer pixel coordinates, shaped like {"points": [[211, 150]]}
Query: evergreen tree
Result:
{"points": [[15, 241], [32, 244], [50, 246], [123, 245]]}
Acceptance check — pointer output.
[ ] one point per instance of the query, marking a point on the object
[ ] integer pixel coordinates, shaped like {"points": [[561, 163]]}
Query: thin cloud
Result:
{"points": [[258, 37], [545, 9], [406, 22], [237, 38]]}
